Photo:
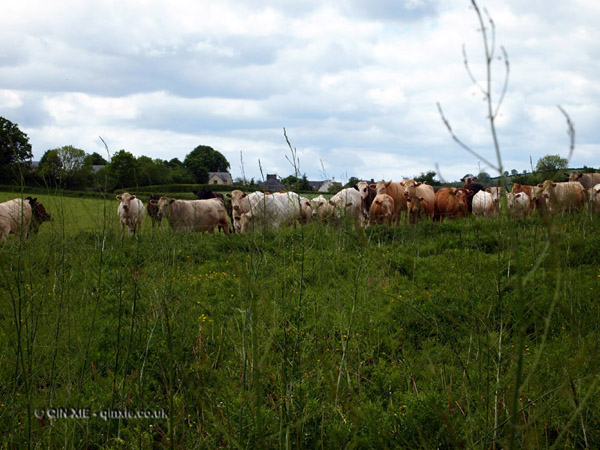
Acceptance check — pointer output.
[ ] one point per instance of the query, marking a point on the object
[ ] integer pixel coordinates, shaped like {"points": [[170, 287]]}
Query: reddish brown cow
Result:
{"points": [[39, 214], [451, 203], [152, 209]]}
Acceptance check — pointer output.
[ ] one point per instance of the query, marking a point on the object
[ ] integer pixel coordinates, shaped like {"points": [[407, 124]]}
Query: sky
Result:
{"points": [[355, 83]]}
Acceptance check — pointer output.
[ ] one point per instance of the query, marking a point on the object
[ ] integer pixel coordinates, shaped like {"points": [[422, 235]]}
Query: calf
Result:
{"points": [[396, 191], [473, 187], [420, 199], [367, 195], [381, 210], [131, 213], [519, 205]]}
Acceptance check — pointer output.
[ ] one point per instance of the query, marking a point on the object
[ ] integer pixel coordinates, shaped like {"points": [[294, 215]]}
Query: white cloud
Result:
{"points": [[354, 83]]}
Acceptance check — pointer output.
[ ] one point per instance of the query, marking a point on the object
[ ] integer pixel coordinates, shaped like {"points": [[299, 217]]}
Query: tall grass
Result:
{"points": [[303, 337]]}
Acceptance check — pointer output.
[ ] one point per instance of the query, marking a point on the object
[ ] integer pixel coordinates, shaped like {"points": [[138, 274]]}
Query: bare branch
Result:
{"points": [[471, 76], [505, 87], [493, 38], [463, 145], [570, 132]]}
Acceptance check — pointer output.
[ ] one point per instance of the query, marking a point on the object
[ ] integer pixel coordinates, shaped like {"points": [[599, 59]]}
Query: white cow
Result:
{"points": [[485, 204], [519, 205], [594, 198], [131, 211], [15, 217], [282, 208], [194, 215], [321, 208], [347, 202]]}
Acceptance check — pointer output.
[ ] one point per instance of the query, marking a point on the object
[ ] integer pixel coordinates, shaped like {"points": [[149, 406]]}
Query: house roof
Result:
{"points": [[225, 176]]}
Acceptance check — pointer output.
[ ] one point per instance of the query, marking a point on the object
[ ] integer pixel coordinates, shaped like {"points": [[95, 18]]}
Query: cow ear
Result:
{"points": [[540, 185], [553, 184], [133, 197], [228, 195], [118, 197], [356, 187], [402, 183], [388, 183], [244, 195], [418, 184], [488, 190], [171, 200], [373, 186]]}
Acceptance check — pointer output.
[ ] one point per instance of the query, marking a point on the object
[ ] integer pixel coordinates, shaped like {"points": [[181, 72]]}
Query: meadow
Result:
{"points": [[472, 333]]}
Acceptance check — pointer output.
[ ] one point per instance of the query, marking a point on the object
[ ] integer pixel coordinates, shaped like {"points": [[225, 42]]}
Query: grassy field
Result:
{"points": [[467, 334]]}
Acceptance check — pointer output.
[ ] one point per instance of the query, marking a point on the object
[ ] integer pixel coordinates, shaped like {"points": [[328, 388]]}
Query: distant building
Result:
{"points": [[220, 178], [272, 184], [323, 186]]}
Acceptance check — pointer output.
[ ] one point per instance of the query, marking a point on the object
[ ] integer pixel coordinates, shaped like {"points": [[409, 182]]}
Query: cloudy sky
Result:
{"points": [[354, 82]]}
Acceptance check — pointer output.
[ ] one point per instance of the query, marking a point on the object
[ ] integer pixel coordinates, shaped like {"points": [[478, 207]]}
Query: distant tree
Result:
{"points": [[352, 181], [428, 178], [204, 159], [484, 178], [123, 170], [14, 150], [514, 172], [290, 181], [303, 184], [95, 159], [587, 169], [65, 167], [151, 172], [551, 167], [334, 189]]}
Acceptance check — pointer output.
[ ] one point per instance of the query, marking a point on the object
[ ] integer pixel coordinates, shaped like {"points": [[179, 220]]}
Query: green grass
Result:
{"points": [[306, 337]]}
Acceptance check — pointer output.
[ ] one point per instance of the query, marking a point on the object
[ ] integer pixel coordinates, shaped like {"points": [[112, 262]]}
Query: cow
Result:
{"points": [[381, 210], [205, 194], [305, 210], [588, 180], [563, 197], [347, 202], [367, 195], [519, 205], [241, 203], [594, 198], [485, 204], [194, 215], [15, 218], [321, 208], [450, 203], [396, 191], [471, 185], [39, 214], [152, 209], [274, 210], [131, 212], [420, 199]]}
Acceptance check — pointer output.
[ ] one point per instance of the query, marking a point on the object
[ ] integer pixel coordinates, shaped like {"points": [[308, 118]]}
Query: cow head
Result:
{"points": [[39, 213], [125, 200]]}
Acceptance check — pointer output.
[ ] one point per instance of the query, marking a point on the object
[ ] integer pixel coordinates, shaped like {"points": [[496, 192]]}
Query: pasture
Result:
{"points": [[471, 333]]}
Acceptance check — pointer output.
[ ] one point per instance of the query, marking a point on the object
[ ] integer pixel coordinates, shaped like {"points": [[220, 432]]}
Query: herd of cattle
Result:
{"points": [[367, 204]]}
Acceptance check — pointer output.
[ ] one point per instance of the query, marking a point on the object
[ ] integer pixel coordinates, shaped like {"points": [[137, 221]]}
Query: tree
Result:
{"points": [[204, 159], [484, 178], [123, 170], [95, 159], [352, 181], [428, 178], [551, 167], [14, 149], [65, 166]]}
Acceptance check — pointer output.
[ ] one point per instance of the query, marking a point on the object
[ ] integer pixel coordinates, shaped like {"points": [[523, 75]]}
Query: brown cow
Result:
{"points": [[381, 210], [588, 180], [420, 199], [153, 210], [39, 214], [451, 203]]}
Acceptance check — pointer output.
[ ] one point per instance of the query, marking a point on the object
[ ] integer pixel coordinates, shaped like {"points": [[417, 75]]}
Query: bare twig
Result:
{"points": [[570, 132]]}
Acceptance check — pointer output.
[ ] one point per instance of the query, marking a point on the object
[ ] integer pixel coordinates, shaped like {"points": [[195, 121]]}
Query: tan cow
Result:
{"points": [[396, 191], [420, 199], [588, 180], [15, 217], [321, 208], [563, 197], [485, 204], [519, 205], [451, 203], [594, 198], [381, 210], [131, 213], [194, 215]]}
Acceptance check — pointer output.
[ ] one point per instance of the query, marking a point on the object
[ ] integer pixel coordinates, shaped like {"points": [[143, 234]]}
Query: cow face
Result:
{"points": [[125, 200], [38, 211]]}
